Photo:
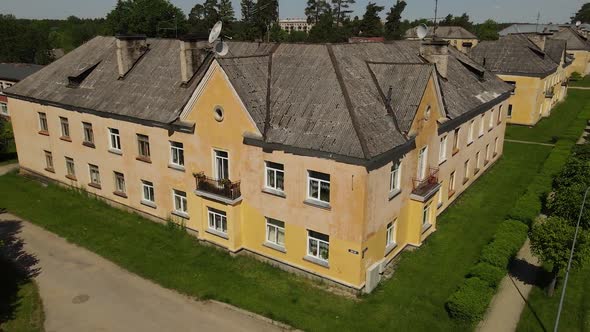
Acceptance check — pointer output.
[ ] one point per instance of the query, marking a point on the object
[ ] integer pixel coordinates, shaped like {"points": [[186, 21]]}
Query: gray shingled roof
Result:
{"points": [[446, 32], [519, 28], [15, 72], [555, 49], [325, 98], [513, 54], [575, 42], [152, 91]]}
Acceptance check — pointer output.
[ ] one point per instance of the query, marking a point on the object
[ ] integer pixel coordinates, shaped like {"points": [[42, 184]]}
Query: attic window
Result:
{"points": [[427, 112], [478, 71], [218, 113], [75, 81]]}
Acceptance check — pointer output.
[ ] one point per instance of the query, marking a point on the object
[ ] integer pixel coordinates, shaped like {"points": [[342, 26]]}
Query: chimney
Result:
{"points": [[539, 39], [436, 52], [192, 54], [129, 50]]}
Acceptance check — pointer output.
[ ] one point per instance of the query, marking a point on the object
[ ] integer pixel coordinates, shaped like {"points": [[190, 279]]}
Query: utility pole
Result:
{"points": [[538, 19], [435, 18]]}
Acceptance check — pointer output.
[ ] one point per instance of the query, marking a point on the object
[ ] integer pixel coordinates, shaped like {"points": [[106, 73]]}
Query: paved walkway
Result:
{"points": [[528, 142], [504, 312], [83, 292], [579, 87], [8, 168]]}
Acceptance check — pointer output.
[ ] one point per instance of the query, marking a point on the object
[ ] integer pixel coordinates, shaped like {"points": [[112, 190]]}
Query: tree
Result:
{"points": [[210, 14], [248, 7], [488, 30], [371, 25], [150, 17], [226, 12], [551, 241], [583, 15], [247, 28], [315, 9], [393, 24], [265, 15], [196, 20], [326, 31], [341, 10]]}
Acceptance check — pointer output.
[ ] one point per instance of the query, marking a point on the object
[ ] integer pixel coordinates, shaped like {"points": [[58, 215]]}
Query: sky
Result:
{"points": [[551, 11]]}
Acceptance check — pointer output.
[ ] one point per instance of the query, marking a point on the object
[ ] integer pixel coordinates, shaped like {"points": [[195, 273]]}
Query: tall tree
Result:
{"points": [[196, 20], [150, 17], [341, 10], [226, 12], [371, 25], [583, 15], [248, 29], [393, 24], [488, 30], [248, 7], [210, 13], [315, 9], [266, 15], [551, 240]]}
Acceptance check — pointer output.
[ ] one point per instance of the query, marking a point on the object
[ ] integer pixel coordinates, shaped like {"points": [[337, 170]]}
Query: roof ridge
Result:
{"points": [[348, 102]]}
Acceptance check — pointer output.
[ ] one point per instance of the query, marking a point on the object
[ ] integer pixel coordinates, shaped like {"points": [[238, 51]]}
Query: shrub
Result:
{"points": [[527, 208], [492, 275], [470, 301], [509, 238], [575, 76]]}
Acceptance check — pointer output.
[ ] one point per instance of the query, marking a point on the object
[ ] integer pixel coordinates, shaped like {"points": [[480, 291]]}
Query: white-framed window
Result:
{"points": [[3, 109], [318, 186], [500, 113], [88, 132], [114, 139], [477, 160], [177, 153], [422, 162], [395, 177], [43, 122], [274, 176], [318, 245], [143, 146], [275, 232], [487, 152], [481, 125], [70, 167], [221, 164], [65, 127], [180, 202], [119, 182], [509, 114], [217, 220], [452, 182], [470, 134], [456, 139], [491, 122], [426, 216], [94, 174], [442, 149], [147, 189], [390, 234], [496, 146], [48, 160], [466, 170], [440, 197]]}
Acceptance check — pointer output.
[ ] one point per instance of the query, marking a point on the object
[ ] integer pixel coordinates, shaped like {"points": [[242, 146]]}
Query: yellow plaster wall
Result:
{"points": [[581, 63], [458, 43]]}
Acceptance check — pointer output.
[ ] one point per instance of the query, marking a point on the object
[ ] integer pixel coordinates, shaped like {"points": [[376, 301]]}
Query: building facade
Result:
{"points": [[535, 66], [457, 37], [303, 165], [295, 24], [10, 74]]}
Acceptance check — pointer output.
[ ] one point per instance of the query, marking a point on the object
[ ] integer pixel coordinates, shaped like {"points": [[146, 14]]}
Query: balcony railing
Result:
{"points": [[549, 93], [223, 188], [423, 187]]}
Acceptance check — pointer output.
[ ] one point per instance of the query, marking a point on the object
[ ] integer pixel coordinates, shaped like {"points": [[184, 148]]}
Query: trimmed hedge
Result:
{"points": [[470, 301], [492, 275]]}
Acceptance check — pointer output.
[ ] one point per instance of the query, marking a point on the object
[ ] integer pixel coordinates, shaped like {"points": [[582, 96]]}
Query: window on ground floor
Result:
{"points": [[120, 182], [318, 245], [426, 216], [509, 114], [94, 174], [70, 167], [217, 220], [180, 202], [48, 160], [147, 189], [275, 232], [390, 234], [3, 109]]}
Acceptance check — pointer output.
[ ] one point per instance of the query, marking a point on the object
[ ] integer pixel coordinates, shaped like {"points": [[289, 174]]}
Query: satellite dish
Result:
{"points": [[215, 32], [221, 48], [422, 31], [578, 23]]}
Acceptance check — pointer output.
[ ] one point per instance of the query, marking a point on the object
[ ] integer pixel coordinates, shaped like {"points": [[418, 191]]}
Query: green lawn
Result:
{"points": [[584, 82], [21, 309], [413, 299], [548, 130]]}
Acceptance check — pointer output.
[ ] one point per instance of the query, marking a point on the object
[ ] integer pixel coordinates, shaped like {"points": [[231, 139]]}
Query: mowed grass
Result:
{"points": [[21, 309], [412, 300], [553, 128], [584, 82]]}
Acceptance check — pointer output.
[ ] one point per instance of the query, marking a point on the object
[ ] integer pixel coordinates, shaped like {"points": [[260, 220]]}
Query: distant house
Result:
{"points": [[295, 24], [10, 74], [458, 37], [526, 28], [535, 65]]}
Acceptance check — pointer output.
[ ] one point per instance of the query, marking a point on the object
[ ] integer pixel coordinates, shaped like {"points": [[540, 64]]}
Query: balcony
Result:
{"points": [[424, 189], [224, 190], [549, 93]]}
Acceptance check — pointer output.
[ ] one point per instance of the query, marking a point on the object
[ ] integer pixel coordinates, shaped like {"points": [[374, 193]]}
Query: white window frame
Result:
{"points": [[177, 154], [452, 181], [70, 166], [477, 159], [456, 133], [43, 124], [395, 177], [491, 122], [422, 163], [179, 197], [212, 221], [426, 216], [500, 113], [273, 224], [218, 158], [470, 134], [4, 108], [318, 241], [65, 126], [390, 234], [48, 159], [115, 139], [509, 112], [150, 191], [496, 146], [268, 168], [481, 125], [94, 170], [88, 132], [442, 152], [466, 166], [487, 152], [120, 186], [440, 197], [311, 179]]}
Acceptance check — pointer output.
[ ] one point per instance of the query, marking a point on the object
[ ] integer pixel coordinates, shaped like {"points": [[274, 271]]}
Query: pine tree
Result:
{"points": [[196, 20], [315, 9], [341, 10], [393, 24], [211, 16], [248, 7], [225, 10], [265, 15], [371, 25]]}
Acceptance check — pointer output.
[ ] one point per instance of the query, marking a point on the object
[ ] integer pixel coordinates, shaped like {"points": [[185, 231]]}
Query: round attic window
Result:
{"points": [[427, 113], [218, 113]]}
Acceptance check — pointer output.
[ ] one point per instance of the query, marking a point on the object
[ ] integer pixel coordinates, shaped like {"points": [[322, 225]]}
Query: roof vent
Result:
{"points": [[193, 51], [75, 81], [130, 49]]}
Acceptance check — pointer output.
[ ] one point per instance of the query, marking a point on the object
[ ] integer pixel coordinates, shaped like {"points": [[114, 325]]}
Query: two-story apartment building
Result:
{"points": [[534, 65], [457, 36], [10, 74], [324, 159]]}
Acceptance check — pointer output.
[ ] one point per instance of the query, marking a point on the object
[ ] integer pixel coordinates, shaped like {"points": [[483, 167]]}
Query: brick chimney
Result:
{"points": [[539, 39], [129, 50], [436, 52], [192, 54]]}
